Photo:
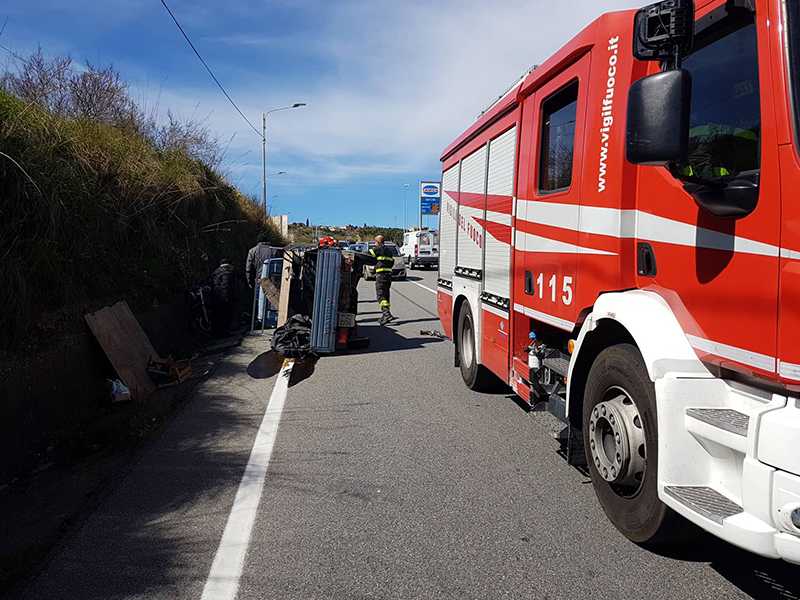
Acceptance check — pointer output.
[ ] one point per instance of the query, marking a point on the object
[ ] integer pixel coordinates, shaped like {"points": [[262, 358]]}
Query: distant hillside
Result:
{"points": [[301, 233], [100, 202]]}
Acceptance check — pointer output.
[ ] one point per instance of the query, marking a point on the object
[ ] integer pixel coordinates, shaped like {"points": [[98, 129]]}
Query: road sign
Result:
{"points": [[430, 193], [429, 206]]}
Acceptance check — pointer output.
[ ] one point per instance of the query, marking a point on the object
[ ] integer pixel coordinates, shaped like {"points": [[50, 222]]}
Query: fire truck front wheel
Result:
{"points": [[621, 440], [476, 376]]}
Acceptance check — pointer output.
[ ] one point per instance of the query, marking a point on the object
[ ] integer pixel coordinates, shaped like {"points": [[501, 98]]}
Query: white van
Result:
{"points": [[421, 248]]}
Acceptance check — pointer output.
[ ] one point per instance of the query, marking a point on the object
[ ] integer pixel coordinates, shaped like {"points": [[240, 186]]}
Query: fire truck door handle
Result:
{"points": [[529, 283], [645, 259]]}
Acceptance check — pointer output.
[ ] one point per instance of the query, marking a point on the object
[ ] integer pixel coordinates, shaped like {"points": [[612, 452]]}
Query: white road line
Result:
{"points": [[424, 287], [226, 570]]}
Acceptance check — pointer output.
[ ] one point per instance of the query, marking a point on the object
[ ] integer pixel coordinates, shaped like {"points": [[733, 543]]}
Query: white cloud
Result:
{"points": [[401, 80]]}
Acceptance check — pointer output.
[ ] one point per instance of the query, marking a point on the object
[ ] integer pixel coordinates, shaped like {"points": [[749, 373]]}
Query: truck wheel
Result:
{"points": [[620, 435], [476, 376]]}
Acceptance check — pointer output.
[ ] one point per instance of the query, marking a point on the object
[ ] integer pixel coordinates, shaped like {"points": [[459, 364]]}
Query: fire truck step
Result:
{"points": [[557, 364], [724, 418], [705, 501]]}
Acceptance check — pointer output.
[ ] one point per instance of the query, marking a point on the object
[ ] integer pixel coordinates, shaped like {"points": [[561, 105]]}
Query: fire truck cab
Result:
{"points": [[620, 239]]}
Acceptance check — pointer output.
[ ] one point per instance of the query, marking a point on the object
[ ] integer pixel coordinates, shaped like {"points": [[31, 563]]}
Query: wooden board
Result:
{"points": [[126, 345], [271, 291], [286, 283]]}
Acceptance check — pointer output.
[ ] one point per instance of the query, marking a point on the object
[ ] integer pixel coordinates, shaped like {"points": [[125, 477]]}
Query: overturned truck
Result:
{"points": [[321, 291]]}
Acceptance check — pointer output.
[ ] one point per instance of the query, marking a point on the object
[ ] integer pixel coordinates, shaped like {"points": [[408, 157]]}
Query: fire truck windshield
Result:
{"points": [[725, 120]]}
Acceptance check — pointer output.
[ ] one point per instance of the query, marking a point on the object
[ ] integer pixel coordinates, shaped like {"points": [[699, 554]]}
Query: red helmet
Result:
{"points": [[326, 241]]}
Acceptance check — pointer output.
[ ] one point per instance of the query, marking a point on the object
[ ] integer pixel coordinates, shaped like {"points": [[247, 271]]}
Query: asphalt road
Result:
{"points": [[388, 479]]}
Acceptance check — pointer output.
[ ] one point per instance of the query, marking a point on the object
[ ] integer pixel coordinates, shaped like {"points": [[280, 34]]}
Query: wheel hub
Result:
{"points": [[617, 440], [466, 343]]}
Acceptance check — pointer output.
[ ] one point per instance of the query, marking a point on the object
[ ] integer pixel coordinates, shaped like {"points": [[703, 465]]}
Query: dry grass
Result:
{"points": [[91, 212]]}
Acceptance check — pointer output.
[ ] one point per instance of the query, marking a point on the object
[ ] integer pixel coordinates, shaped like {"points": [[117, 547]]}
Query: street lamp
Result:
{"points": [[264, 148], [273, 174]]}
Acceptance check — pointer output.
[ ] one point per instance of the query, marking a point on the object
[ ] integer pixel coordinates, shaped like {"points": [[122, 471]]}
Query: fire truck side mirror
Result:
{"points": [[658, 118]]}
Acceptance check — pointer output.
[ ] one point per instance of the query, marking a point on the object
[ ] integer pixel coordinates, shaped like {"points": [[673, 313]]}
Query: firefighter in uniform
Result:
{"points": [[383, 278]]}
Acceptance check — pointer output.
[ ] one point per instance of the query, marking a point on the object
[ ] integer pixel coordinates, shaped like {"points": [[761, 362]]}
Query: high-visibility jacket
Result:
{"points": [[385, 260]]}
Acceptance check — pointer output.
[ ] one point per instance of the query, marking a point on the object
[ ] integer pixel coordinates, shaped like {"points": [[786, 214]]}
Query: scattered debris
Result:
{"points": [[126, 345], [169, 371], [271, 291], [432, 333], [293, 339], [119, 391]]}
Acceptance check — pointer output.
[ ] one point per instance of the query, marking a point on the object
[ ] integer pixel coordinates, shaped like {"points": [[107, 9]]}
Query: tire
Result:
{"points": [[475, 376], [366, 275], [618, 386]]}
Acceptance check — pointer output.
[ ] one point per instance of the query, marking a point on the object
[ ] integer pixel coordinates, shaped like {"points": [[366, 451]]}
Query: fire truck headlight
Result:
{"points": [[789, 518], [796, 517]]}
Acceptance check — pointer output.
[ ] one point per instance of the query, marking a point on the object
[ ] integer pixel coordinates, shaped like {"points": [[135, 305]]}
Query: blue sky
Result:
{"points": [[388, 83]]}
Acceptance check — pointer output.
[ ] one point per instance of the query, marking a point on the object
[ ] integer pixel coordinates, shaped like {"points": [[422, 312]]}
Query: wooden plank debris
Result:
{"points": [[271, 291], [126, 345], [286, 284]]}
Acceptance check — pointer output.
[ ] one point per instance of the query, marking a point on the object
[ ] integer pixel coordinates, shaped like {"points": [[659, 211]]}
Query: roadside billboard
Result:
{"points": [[430, 195]]}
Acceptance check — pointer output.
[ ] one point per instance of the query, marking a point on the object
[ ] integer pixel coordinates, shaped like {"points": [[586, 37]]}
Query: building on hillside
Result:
{"points": [[281, 223]]}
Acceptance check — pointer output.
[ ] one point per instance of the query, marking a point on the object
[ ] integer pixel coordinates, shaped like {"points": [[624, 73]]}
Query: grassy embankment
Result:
{"points": [[92, 212]]}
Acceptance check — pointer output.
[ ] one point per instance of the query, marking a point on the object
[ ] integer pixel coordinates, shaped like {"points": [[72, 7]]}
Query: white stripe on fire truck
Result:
{"points": [[545, 318], [537, 243], [630, 223], [740, 355], [789, 370]]}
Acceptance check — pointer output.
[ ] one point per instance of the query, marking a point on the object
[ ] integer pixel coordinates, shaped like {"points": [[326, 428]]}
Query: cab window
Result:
{"points": [[558, 139], [725, 121]]}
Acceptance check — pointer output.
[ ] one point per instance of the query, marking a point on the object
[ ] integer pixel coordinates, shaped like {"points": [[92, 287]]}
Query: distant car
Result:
{"points": [[399, 268]]}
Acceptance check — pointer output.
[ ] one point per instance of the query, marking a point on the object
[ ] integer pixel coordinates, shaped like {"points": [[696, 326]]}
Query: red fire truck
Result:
{"points": [[620, 239]]}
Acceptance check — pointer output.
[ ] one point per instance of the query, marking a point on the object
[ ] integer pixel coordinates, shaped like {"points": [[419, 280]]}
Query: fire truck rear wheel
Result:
{"points": [[476, 376], [620, 435]]}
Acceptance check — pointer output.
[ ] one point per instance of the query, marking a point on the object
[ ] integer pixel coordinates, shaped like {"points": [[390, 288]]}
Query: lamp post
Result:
{"points": [[264, 149]]}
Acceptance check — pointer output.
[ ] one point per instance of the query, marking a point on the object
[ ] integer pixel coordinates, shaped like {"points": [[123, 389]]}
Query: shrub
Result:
{"points": [[97, 203]]}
